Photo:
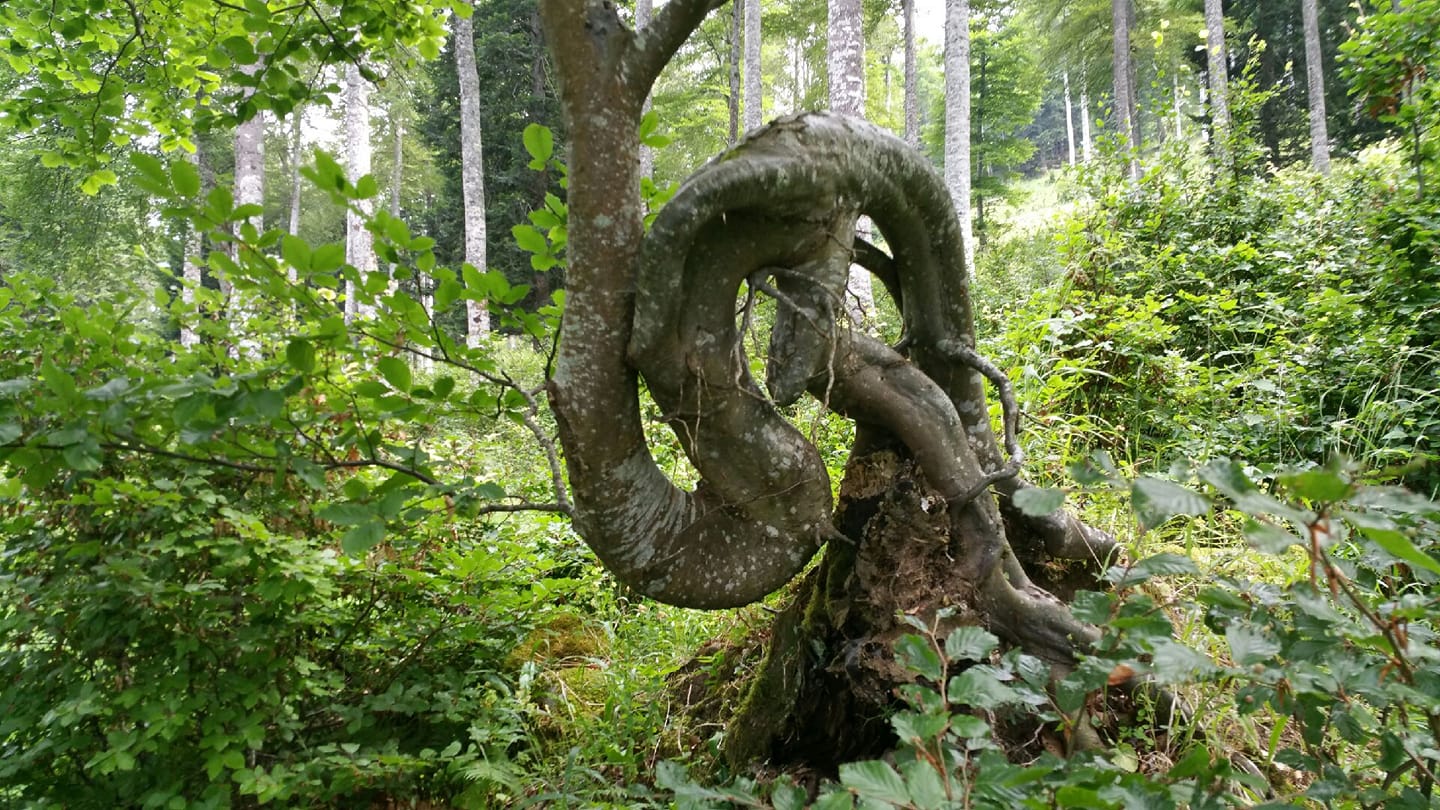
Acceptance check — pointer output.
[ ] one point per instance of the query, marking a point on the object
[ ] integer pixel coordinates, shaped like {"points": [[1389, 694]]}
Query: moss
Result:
{"points": [[565, 637]]}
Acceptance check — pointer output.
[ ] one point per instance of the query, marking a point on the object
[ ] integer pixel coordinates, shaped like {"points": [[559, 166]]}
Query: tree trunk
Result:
{"points": [[957, 118], [1315, 78], [912, 93], [1086, 143], [1217, 59], [737, 27], [190, 272], [359, 244], [297, 156], [644, 10], [1069, 120], [249, 190], [1124, 91], [917, 526], [472, 172], [845, 65], [754, 91]]}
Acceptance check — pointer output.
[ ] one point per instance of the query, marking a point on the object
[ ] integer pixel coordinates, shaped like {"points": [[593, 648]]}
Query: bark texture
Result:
{"points": [[1315, 79], [359, 243], [1217, 57], [957, 116], [918, 526], [754, 91], [1069, 119], [1123, 80], [190, 271], [472, 172], [912, 93]]}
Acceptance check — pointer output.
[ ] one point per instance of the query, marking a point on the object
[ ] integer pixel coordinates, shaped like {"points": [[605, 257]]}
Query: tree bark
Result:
{"points": [[1086, 143], [359, 244], [249, 190], [190, 270], [644, 10], [472, 172], [1069, 119], [1217, 59], [1124, 89], [1315, 79], [754, 90], [737, 27], [845, 65], [912, 93], [297, 156], [917, 518], [957, 118]]}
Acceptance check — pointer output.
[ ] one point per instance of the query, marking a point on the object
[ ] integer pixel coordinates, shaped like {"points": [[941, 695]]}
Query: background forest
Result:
{"points": [[285, 518]]}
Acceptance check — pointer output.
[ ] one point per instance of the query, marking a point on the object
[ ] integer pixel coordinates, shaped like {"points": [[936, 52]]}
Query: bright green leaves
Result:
{"points": [[1037, 501], [396, 372], [540, 143]]}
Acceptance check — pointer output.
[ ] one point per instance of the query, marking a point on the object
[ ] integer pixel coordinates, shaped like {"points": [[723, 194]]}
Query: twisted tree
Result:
{"points": [[925, 518]]}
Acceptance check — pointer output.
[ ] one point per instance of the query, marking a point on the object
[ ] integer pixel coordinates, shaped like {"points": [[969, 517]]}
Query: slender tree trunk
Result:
{"points": [[1086, 142], [977, 140], [1069, 119], [846, 76], [249, 190], [359, 244], [472, 172], [297, 156], [737, 20], [1217, 59], [912, 94], [644, 10], [1315, 78], [754, 90], [190, 271], [957, 118], [1124, 97]]}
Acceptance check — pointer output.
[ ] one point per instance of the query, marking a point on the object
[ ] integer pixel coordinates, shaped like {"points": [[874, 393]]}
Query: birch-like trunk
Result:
{"points": [[912, 95], [297, 151], [1124, 90], [845, 66], [1315, 78], [732, 102], [957, 118], [1219, 79], [249, 190], [472, 172], [1069, 119], [359, 244], [754, 107], [644, 10], [1087, 143], [190, 270]]}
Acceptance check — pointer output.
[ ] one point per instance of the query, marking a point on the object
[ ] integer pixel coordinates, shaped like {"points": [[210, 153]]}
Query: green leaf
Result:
{"points": [[185, 176], [927, 789], [296, 252], [540, 143], [362, 538], [1394, 541], [970, 643], [1249, 646], [97, 180], [874, 780], [1269, 538], [530, 240], [328, 258], [347, 514], [300, 354], [917, 654], [10, 431], [786, 795], [1157, 501], [1160, 565], [367, 187], [1323, 486], [396, 372], [1038, 502], [58, 380], [980, 688], [444, 386]]}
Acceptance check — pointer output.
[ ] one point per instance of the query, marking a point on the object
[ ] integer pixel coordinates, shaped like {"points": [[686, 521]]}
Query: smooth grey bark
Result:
{"points": [[732, 101], [957, 118], [297, 155], [1123, 81], [1086, 142], [1069, 119], [472, 172], [754, 91], [644, 11], [190, 270], [359, 243], [845, 75], [1315, 79], [912, 94], [1217, 59], [249, 190]]}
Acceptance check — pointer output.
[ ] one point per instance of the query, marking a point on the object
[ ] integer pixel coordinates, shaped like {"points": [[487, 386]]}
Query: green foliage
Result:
{"points": [[1278, 319], [1336, 668]]}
